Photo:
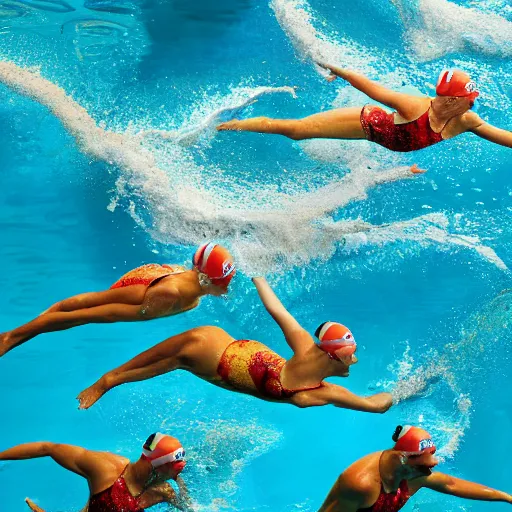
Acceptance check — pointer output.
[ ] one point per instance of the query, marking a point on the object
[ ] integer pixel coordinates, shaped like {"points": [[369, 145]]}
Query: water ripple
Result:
{"points": [[48, 5]]}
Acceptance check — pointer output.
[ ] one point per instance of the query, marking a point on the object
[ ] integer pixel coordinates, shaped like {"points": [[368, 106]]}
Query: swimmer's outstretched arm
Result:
{"points": [[74, 458], [405, 104], [332, 394], [491, 133], [296, 336], [447, 484]]}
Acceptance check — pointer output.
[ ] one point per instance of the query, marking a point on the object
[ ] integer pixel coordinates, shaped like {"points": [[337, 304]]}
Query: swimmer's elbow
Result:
{"points": [[45, 448]]}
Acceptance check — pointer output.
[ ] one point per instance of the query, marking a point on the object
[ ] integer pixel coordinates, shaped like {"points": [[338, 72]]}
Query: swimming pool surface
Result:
{"points": [[426, 284]]}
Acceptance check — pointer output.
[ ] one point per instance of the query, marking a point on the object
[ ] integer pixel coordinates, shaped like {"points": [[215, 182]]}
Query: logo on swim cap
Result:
{"points": [[470, 87], [426, 443], [227, 268]]}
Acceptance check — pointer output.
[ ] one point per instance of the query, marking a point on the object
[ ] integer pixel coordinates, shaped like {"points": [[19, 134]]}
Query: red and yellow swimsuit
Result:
{"points": [[147, 275], [251, 366]]}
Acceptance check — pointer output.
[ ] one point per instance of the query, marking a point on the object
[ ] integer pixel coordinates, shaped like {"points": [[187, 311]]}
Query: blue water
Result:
{"points": [[171, 64]]}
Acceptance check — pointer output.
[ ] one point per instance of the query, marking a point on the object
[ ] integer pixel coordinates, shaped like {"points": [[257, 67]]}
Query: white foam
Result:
{"points": [[437, 27], [174, 199], [298, 21], [216, 109]]}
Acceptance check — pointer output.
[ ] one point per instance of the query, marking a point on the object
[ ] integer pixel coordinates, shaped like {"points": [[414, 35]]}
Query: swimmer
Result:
{"points": [[386, 480], [250, 367], [145, 293], [115, 483], [416, 123]]}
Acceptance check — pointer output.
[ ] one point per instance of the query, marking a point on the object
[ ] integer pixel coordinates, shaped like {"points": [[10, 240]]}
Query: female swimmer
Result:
{"points": [[251, 367], [148, 292], [384, 481], [416, 123], [115, 483]]}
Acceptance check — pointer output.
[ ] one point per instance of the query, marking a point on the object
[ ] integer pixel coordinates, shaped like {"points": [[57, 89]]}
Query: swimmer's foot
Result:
{"points": [[416, 170], [33, 506], [88, 397], [228, 126]]}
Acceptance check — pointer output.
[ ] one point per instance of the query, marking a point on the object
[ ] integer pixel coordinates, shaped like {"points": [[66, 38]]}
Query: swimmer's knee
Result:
{"points": [[58, 307], [295, 130], [301, 400]]}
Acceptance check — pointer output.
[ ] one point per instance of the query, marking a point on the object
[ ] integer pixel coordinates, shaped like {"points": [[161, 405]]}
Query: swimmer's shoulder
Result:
{"points": [[361, 476], [470, 121]]}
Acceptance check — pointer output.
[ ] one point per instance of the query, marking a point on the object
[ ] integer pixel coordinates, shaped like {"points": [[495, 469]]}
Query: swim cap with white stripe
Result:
{"points": [[336, 340], [216, 262], [161, 449]]}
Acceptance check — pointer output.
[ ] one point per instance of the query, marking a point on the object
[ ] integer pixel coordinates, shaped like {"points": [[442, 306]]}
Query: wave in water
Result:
{"points": [[482, 351], [265, 228], [438, 27], [298, 21]]}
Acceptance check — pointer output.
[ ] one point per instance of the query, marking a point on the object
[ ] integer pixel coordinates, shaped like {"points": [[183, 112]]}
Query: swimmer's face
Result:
{"points": [[171, 470], [347, 361], [421, 464], [455, 104], [217, 290]]}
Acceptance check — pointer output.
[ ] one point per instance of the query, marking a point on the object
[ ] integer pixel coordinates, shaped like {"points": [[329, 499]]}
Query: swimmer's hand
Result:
{"points": [[382, 401], [334, 72], [33, 506], [416, 170]]}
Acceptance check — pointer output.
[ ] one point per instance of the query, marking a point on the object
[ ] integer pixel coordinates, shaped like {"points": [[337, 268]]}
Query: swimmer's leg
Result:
{"points": [[342, 123], [62, 320], [126, 295], [33, 506], [162, 358]]}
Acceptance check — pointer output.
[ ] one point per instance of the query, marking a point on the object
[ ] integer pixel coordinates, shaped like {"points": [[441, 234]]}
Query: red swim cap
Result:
{"points": [[454, 82], [216, 262], [336, 340], [413, 439], [161, 449]]}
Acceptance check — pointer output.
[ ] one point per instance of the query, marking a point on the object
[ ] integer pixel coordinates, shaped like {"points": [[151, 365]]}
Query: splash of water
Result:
{"points": [[264, 228], [437, 27], [484, 345], [298, 21], [203, 121]]}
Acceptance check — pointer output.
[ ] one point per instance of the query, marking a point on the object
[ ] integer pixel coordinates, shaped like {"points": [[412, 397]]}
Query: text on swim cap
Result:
{"points": [[426, 443]]}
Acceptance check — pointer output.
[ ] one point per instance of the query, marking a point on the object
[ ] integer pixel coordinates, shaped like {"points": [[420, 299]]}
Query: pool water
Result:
{"points": [[418, 268]]}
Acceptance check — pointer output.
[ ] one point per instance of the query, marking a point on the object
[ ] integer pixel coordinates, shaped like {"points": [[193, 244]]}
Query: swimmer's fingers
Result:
{"points": [[416, 170], [334, 72], [323, 65]]}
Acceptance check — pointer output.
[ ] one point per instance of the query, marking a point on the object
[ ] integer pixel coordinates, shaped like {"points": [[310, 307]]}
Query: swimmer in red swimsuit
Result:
{"points": [[115, 483], [417, 122], [251, 367], [148, 292], [384, 481]]}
